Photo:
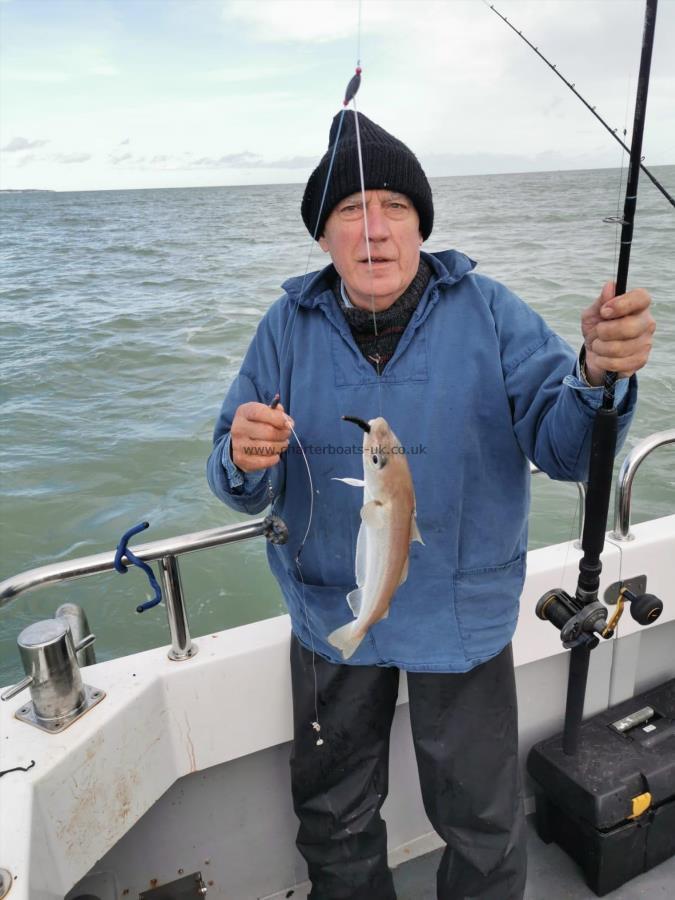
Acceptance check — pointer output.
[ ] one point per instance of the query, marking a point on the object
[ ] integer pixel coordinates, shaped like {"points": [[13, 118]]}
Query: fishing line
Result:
{"points": [[569, 542], [377, 357], [615, 636], [284, 352], [353, 85], [618, 546], [554, 68], [312, 245], [316, 726], [617, 219], [614, 663], [282, 361], [358, 42], [351, 89]]}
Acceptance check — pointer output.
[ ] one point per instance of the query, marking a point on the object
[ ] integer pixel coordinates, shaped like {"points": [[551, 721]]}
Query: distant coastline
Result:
{"points": [[301, 181]]}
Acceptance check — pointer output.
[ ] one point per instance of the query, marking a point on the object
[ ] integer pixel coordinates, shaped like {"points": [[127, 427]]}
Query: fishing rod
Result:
{"points": [[583, 617], [571, 86]]}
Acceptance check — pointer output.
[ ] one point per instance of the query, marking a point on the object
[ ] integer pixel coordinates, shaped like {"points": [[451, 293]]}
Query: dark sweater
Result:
{"points": [[377, 339]]}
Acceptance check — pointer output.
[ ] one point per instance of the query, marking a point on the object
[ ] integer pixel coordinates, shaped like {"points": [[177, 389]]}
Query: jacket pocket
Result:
{"points": [[487, 601], [351, 371]]}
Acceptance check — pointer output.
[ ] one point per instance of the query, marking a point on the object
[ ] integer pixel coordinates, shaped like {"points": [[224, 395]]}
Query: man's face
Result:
{"points": [[394, 238]]}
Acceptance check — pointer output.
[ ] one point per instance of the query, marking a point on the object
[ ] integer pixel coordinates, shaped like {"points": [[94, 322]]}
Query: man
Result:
{"points": [[470, 377]]}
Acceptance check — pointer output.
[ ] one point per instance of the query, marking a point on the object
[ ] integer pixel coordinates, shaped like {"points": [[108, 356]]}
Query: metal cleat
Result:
{"points": [[58, 696]]}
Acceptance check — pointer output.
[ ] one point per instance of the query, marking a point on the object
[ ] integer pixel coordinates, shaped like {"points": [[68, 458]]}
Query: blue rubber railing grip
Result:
{"points": [[123, 551]]}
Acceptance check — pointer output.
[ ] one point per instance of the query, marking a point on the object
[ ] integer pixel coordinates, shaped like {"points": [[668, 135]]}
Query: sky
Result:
{"points": [[112, 94]]}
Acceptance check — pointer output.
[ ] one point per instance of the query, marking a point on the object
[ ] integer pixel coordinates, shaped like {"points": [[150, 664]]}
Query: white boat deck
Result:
{"points": [[551, 875]]}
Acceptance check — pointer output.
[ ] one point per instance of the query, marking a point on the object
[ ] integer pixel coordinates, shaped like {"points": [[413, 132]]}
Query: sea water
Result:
{"points": [[126, 314]]}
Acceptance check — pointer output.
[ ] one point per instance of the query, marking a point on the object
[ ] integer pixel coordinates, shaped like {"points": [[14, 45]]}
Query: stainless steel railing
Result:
{"points": [[166, 552], [624, 484], [581, 487], [627, 472]]}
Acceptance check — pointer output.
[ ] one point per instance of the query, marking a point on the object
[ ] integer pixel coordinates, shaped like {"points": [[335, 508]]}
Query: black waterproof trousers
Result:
{"points": [[465, 734]]}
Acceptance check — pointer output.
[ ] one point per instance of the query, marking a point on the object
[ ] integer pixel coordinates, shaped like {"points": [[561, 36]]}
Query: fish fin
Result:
{"points": [[355, 599], [371, 514], [414, 530], [346, 639], [404, 573], [354, 482], [361, 555]]}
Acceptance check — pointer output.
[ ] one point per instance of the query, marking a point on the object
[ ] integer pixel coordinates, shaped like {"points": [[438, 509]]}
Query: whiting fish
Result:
{"points": [[388, 526]]}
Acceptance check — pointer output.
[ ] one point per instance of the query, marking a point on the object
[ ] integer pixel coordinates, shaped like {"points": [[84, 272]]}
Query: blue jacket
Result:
{"points": [[478, 385]]}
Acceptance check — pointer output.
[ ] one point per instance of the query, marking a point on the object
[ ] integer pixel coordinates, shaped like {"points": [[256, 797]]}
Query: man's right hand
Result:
{"points": [[259, 436]]}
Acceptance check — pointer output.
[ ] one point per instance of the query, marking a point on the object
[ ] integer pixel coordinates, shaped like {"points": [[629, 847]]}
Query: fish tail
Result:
{"points": [[346, 639]]}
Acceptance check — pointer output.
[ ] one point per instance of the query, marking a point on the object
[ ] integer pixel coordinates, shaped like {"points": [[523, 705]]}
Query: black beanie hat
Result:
{"points": [[387, 164]]}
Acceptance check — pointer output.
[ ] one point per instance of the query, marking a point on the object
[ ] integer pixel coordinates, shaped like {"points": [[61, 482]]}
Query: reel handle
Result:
{"points": [[644, 608]]}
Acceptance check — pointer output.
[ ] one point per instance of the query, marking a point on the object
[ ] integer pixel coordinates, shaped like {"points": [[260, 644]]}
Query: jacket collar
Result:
{"points": [[447, 267]]}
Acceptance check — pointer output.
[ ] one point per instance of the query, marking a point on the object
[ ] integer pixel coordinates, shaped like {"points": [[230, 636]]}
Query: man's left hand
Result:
{"points": [[618, 333]]}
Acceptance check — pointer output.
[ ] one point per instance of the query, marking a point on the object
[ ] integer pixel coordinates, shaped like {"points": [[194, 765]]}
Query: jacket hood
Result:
{"points": [[448, 267]]}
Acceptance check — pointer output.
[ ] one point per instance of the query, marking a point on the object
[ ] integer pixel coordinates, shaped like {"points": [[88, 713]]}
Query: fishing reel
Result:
{"points": [[580, 622]]}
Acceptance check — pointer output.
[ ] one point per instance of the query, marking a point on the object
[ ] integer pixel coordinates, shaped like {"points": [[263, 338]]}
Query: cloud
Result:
{"points": [[187, 161], [294, 162], [22, 143], [236, 160], [248, 160], [71, 157]]}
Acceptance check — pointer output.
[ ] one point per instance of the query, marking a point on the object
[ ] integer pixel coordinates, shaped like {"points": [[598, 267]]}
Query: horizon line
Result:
{"points": [[4, 190]]}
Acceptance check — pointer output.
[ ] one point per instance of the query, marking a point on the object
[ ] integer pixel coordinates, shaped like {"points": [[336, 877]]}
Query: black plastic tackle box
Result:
{"points": [[611, 807]]}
